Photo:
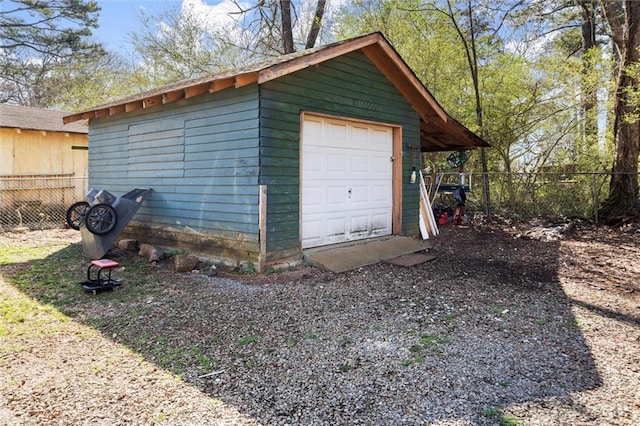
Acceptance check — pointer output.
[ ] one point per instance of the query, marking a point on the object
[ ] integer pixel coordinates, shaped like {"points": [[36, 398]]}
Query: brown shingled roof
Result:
{"points": [[27, 118]]}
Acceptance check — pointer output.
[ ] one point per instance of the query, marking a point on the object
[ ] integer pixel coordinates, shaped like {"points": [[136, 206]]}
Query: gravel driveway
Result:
{"points": [[499, 329]]}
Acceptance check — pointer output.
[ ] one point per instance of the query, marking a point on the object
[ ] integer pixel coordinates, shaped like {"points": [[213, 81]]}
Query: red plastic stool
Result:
{"points": [[98, 282]]}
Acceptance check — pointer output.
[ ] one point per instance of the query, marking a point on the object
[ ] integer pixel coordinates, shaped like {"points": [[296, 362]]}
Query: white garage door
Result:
{"points": [[346, 181]]}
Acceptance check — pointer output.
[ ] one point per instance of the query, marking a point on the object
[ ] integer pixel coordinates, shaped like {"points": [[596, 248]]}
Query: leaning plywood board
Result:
{"points": [[424, 232], [426, 210]]}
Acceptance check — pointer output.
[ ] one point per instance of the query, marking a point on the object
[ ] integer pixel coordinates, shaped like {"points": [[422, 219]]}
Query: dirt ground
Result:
{"points": [[518, 323]]}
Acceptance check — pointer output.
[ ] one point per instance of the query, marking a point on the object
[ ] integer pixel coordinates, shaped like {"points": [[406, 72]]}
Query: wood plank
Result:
{"points": [[116, 109], [152, 101], [218, 85], [172, 96], [262, 228], [102, 113], [196, 90], [132, 106], [245, 79], [71, 118], [424, 232], [396, 176], [430, 219]]}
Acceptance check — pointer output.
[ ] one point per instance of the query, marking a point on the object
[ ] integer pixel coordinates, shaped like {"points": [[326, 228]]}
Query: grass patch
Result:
{"points": [[491, 412], [248, 340], [427, 344], [23, 316], [508, 420], [202, 360]]}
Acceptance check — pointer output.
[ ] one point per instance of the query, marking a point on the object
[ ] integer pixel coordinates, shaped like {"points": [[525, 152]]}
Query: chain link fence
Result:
{"points": [[41, 201], [38, 201], [527, 195]]}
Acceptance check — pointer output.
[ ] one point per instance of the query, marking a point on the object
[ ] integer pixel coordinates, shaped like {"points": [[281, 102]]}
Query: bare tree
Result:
{"points": [[287, 30], [316, 24], [270, 25]]}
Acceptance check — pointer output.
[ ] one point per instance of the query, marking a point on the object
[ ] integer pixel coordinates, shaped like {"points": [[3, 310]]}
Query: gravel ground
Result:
{"points": [[509, 325]]}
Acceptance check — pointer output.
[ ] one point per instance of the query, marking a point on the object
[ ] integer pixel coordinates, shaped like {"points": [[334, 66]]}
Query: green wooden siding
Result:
{"points": [[205, 157], [348, 86], [200, 157]]}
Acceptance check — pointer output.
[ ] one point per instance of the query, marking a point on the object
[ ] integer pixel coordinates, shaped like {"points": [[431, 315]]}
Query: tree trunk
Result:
{"points": [[316, 24], [589, 100], [623, 189], [287, 32]]}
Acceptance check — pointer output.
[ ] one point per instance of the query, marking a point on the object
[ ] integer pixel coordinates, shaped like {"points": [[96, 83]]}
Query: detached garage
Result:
{"points": [[259, 163]]}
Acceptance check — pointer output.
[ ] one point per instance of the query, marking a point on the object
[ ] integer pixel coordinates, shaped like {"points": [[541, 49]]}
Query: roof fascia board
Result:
{"points": [[385, 58]]}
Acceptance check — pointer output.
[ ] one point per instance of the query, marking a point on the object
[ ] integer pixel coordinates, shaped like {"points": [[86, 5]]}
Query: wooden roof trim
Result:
{"points": [[117, 109], [221, 84], [102, 112], [245, 79], [447, 133], [432, 137], [386, 60], [293, 65], [175, 95], [132, 106], [71, 118], [456, 130], [465, 135], [198, 89], [152, 101]]}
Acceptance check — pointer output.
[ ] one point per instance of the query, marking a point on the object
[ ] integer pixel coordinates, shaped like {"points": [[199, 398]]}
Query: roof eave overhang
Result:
{"points": [[165, 97], [452, 135]]}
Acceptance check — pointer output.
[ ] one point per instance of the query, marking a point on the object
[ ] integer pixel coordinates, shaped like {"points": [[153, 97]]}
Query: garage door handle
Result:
{"points": [[349, 192]]}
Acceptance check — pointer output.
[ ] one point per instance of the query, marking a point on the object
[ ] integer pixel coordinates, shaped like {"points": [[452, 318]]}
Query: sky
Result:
{"points": [[118, 18]]}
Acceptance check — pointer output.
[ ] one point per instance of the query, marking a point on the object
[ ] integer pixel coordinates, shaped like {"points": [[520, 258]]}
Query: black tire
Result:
{"points": [[101, 219], [76, 214]]}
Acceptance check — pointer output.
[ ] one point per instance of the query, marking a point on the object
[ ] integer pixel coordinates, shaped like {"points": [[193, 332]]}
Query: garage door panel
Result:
{"points": [[360, 195], [380, 195], [380, 165], [335, 137], [314, 229], [337, 164], [337, 197], [359, 224], [313, 198], [336, 226], [347, 170], [380, 136], [380, 221], [312, 162]]}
